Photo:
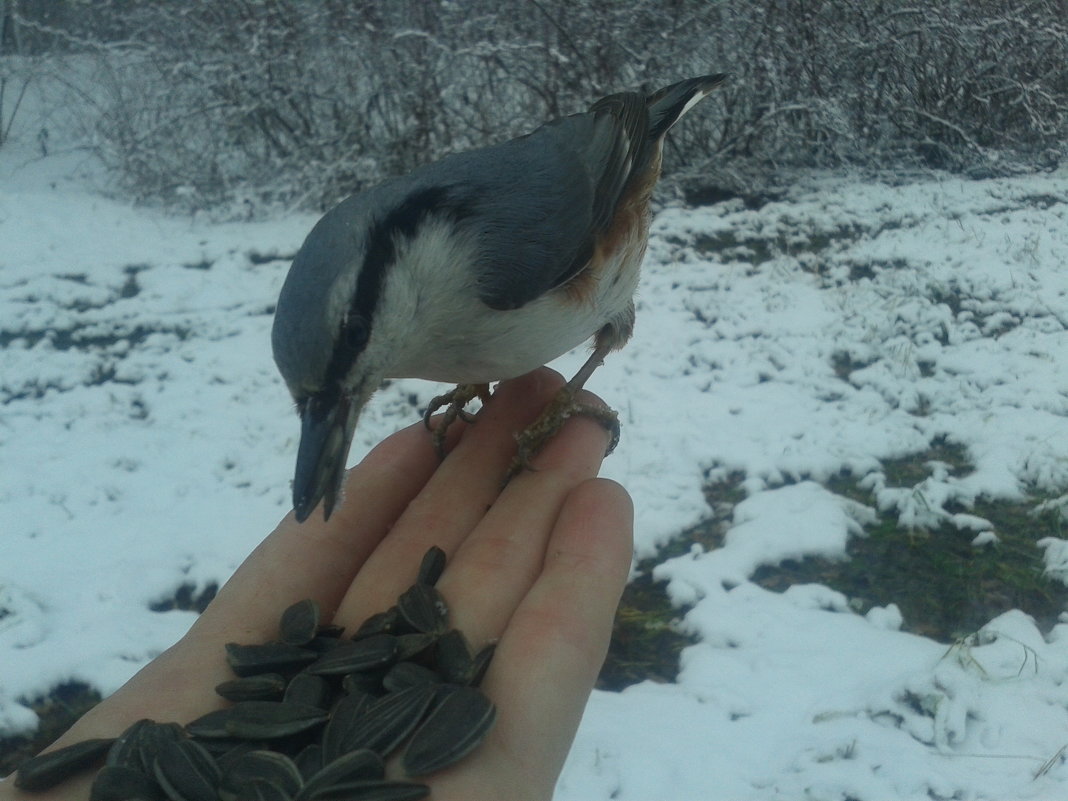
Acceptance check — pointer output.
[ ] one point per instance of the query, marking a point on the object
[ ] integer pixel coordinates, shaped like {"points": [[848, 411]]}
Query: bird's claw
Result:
{"points": [[456, 399], [561, 408]]}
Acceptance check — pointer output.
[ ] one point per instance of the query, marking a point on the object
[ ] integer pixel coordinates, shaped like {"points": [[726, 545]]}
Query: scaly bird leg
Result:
{"points": [[535, 436], [456, 398]]}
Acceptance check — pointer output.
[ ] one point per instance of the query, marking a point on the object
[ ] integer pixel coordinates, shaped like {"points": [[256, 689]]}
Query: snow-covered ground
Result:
{"points": [[147, 442]]}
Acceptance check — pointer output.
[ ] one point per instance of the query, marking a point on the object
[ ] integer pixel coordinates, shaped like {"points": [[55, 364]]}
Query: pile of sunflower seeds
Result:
{"points": [[314, 715]]}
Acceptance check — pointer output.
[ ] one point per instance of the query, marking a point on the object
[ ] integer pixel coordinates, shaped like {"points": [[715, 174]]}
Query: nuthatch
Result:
{"points": [[479, 267]]}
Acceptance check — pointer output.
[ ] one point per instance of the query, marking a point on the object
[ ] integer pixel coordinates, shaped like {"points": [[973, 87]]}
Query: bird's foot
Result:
{"points": [[457, 399], [563, 406]]}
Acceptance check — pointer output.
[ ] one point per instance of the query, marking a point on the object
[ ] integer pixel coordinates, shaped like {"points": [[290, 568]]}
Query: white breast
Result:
{"points": [[443, 332]]}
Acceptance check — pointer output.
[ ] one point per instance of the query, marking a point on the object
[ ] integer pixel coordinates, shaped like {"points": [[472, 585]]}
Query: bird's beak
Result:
{"points": [[327, 423]]}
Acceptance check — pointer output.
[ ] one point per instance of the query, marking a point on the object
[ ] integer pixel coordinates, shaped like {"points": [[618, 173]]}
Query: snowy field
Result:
{"points": [[147, 442]]}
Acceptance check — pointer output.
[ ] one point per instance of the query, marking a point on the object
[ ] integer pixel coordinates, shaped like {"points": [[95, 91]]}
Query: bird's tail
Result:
{"points": [[667, 106]]}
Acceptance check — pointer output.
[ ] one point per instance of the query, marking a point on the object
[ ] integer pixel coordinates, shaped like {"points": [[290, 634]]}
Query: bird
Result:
{"points": [[475, 268]]}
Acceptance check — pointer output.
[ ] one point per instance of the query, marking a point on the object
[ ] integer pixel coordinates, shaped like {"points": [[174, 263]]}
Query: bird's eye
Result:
{"points": [[357, 332]]}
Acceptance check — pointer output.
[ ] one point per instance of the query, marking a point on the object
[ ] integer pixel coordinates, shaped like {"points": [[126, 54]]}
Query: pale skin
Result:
{"points": [[538, 566]]}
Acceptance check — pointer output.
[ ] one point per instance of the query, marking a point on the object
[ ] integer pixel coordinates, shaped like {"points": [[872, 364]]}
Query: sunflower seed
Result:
{"points": [[422, 607], [261, 687], [432, 566], [408, 674], [229, 756], [225, 748], [186, 771], [125, 751], [453, 657], [260, 765], [351, 657], [309, 690], [337, 733], [248, 660], [118, 783], [321, 644], [374, 791], [261, 790], [48, 770], [150, 739], [387, 721], [379, 623], [269, 720], [363, 683], [409, 645], [309, 760], [359, 765], [211, 725], [480, 664], [455, 728], [300, 622], [256, 720]]}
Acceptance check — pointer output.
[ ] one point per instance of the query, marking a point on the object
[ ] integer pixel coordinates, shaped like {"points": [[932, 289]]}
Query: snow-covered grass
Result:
{"points": [[146, 442]]}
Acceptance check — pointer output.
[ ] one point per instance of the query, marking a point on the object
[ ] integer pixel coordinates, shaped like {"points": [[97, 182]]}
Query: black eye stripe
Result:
{"points": [[357, 332], [403, 221]]}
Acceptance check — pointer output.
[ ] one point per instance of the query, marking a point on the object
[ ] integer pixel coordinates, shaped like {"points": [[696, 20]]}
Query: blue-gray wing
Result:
{"points": [[538, 203]]}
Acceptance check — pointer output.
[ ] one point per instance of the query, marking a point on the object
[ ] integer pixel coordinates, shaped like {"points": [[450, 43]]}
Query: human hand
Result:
{"points": [[538, 566]]}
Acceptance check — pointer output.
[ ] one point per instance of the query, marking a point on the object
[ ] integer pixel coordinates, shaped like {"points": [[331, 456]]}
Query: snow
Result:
{"points": [[145, 433]]}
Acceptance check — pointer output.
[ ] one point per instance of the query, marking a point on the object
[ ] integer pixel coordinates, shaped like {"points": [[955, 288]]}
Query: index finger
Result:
{"points": [[318, 559], [177, 685]]}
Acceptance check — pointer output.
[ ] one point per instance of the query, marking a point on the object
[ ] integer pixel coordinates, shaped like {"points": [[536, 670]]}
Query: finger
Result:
{"points": [[549, 656], [499, 562], [318, 559], [455, 498], [315, 560]]}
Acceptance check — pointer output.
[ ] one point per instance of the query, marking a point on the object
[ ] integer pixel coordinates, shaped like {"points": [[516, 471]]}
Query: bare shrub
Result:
{"points": [[297, 102]]}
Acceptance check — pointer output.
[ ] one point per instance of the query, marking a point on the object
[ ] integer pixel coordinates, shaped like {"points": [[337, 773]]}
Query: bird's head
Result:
{"points": [[349, 316], [328, 340]]}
